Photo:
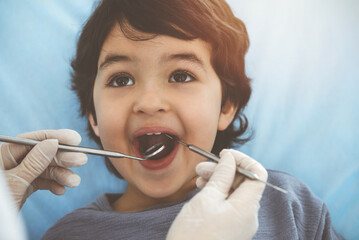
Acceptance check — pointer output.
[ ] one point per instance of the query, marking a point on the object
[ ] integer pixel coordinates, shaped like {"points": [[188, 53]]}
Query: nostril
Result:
{"points": [[151, 102]]}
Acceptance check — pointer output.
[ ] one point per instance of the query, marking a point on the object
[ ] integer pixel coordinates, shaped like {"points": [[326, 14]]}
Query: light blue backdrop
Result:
{"points": [[304, 62]]}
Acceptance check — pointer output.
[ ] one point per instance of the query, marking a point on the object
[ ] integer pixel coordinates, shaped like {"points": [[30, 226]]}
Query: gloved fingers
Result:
{"points": [[64, 136], [7, 161], [201, 182], [37, 160], [238, 156], [205, 169], [62, 176], [223, 176], [69, 159], [238, 180], [45, 184], [249, 193], [249, 190], [240, 162], [248, 163]]}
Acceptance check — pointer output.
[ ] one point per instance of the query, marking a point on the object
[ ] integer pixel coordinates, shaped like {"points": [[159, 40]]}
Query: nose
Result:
{"points": [[151, 101]]}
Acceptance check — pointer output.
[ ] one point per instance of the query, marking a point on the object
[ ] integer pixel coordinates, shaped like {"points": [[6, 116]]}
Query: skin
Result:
{"points": [[147, 94]]}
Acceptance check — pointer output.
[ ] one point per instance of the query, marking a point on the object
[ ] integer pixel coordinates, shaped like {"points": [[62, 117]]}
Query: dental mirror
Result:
{"points": [[153, 150]]}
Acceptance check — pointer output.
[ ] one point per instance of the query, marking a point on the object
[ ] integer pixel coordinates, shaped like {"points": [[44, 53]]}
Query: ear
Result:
{"points": [[93, 124], [227, 114]]}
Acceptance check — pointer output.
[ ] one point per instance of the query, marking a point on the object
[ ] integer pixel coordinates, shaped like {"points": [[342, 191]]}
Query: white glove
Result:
{"points": [[218, 211], [28, 169]]}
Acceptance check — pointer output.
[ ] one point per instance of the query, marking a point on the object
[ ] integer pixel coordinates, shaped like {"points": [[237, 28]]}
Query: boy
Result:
{"points": [[144, 69]]}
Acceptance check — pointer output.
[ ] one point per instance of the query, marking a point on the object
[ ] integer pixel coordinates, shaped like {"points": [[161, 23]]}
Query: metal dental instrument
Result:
{"points": [[213, 157], [159, 147], [93, 151]]}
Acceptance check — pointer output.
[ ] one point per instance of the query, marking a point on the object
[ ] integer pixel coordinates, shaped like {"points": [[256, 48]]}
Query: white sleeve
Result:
{"points": [[11, 225]]}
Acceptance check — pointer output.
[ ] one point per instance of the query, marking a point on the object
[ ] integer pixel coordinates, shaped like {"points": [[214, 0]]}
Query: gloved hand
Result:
{"points": [[28, 169], [218, 211]]}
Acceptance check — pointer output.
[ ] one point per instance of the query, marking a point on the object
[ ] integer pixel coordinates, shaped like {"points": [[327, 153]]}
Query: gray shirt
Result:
{"points": [[296, 215]]}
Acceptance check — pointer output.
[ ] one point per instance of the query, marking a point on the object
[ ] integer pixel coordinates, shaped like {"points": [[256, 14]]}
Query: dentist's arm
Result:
{"points": [[28, 169], [227, 206]]}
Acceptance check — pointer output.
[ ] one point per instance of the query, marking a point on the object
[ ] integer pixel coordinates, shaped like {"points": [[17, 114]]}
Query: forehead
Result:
{"points": [[152, 47]]}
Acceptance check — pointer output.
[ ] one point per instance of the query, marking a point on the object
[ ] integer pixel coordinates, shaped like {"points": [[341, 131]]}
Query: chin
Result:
{"points": [[160, 191], [172, 191]]}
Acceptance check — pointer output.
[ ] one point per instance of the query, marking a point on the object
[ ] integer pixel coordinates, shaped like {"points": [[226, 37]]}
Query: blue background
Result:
{"points": [[304, 62]]}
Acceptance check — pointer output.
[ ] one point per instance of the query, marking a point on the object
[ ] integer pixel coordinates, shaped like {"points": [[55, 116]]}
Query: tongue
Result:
{"points": [[147, 141]]}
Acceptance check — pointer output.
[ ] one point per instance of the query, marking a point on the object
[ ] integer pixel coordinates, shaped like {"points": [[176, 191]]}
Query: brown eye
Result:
{"points": [[120, 80], [181, 76]]}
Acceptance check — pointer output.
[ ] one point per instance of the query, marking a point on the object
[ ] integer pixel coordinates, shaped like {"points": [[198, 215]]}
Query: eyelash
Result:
{"points": [[112, 81], [193, 78]]}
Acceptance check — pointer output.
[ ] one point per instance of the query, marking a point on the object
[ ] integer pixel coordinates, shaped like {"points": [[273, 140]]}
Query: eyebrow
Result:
{"points": [[184, 56], [113, 58]]}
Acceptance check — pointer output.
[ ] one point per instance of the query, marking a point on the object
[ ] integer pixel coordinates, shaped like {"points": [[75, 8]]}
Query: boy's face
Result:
{"points": [[162, 85]]}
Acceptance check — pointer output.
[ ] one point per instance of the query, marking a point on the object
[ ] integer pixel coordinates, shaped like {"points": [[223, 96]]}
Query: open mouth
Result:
{"points": [[147, 141]]}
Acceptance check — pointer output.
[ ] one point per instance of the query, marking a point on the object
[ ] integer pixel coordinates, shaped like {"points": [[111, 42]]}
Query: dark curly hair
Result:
{"points": [[210, 20]]}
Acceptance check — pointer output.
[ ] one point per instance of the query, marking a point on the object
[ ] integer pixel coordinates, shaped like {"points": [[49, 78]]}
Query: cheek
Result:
{"points": [[123, 166], [201, 116], [203, 120], [111, 122]]}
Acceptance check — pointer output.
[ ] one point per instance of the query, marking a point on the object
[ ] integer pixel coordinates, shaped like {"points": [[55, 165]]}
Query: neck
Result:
{"points": [[133, 200]]}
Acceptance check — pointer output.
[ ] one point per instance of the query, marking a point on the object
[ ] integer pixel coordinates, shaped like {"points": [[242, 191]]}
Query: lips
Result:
{"points": [[145, 138]]}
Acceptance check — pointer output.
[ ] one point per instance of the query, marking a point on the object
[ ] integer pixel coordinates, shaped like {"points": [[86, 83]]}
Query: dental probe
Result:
{"points": [[70, 148], [213, 157]]}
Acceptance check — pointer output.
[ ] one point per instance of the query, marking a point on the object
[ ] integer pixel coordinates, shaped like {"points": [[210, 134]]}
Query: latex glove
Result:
{"points": [[28, 169], [218, 211]]}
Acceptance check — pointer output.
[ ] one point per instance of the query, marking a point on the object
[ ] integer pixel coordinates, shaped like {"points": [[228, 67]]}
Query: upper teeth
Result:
{"points": [[157, 133]]}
